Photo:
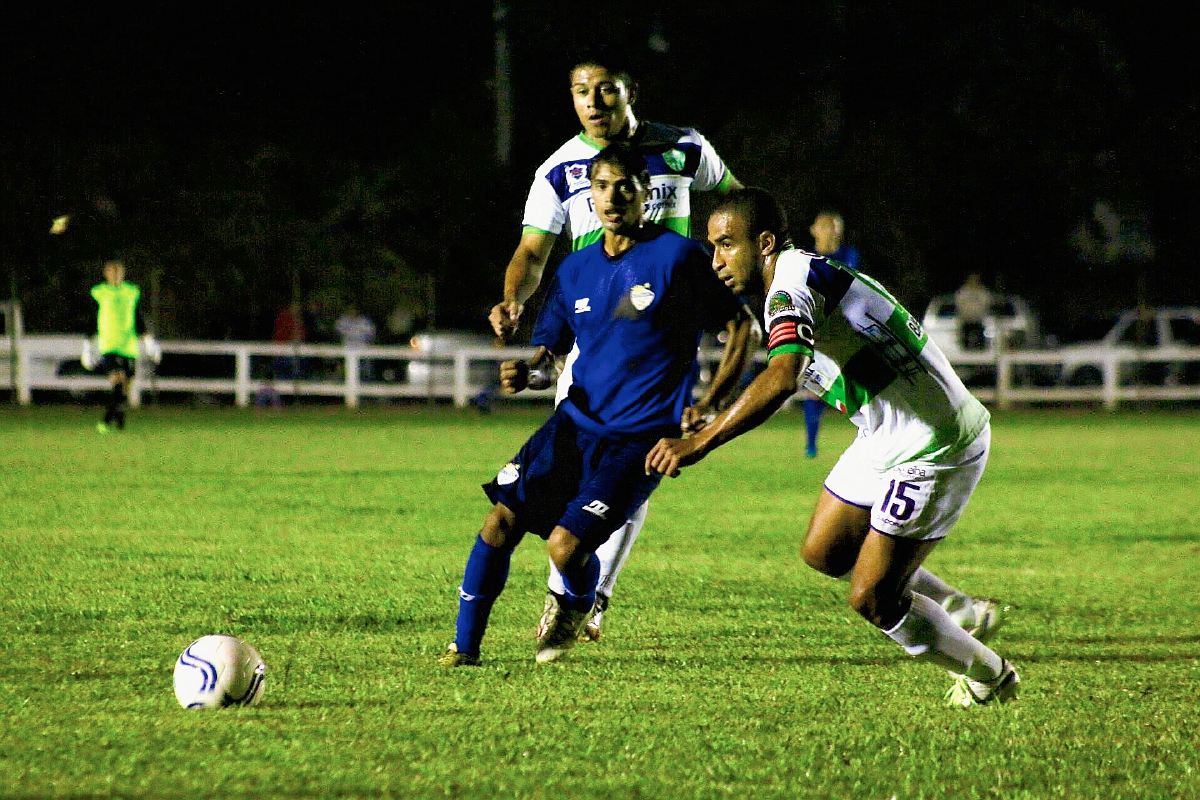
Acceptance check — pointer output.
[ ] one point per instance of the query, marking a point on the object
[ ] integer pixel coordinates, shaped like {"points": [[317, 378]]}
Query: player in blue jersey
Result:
{"points": [[922, 444], [827, 231], [680, 161], [635, 304]]}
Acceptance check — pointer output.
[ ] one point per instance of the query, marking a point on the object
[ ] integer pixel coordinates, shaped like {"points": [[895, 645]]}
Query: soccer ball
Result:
{"points": [[218, 671]]}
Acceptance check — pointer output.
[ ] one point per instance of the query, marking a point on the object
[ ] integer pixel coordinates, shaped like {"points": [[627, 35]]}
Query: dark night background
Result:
{"points": [[239, 158]]}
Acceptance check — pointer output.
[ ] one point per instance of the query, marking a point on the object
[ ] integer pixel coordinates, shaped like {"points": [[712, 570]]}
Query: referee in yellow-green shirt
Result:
{"points": [[117, 327]]}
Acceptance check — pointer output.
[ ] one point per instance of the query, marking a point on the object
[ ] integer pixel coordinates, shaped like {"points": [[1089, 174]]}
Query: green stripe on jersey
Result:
{"points": [[591, 237]]}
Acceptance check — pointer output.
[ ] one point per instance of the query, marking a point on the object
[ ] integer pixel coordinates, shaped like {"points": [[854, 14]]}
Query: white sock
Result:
{"points": [[927, 632], [612, 554], [961, 606]]}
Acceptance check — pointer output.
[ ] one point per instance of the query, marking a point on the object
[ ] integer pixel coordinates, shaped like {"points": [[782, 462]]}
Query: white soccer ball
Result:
{"points": [[218, 671]]}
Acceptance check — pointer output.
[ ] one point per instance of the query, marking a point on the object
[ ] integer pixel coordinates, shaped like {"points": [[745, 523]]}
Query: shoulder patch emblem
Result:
{"points": [[675, 159], [509, 474], [641, 296], [577, 176], [780, 302]]}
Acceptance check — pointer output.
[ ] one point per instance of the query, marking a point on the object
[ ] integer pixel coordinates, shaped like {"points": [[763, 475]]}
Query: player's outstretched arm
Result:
{"points": [[762, 398], [521, 278], [538, 372], [730, 368]]}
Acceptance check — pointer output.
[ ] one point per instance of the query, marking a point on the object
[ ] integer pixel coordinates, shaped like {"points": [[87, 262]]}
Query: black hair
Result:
{"points": [[621, 155], [761, 212], [617, 64]]}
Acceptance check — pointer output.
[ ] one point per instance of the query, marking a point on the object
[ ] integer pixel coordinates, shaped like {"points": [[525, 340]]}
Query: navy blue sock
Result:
{"points": [[580, 585], [483, 581], [812, 421]]}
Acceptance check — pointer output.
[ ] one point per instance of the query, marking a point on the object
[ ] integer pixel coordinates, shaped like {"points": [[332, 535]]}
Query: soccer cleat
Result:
{"points": [[102, 427], [547, 614], [562, 630], [453, 658], [591, 631], [989, 617], [965, 692]]}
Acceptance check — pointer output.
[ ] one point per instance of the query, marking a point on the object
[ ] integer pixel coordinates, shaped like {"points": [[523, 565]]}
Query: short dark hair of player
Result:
{"points": [[761, 212], [615, 64], [628, 160]]}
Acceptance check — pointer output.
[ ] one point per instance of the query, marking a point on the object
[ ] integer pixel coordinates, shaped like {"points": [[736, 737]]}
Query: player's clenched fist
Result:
{"points": [[505, 317], [514, 376]]}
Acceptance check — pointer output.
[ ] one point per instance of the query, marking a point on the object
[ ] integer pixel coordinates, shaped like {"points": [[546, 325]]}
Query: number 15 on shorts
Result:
{"points": [[902, 505]]}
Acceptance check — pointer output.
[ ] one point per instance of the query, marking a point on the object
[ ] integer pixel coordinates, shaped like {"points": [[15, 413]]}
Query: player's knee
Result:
{"points": [[876, 605], [498, 526], [564, 549], [818, 558]]}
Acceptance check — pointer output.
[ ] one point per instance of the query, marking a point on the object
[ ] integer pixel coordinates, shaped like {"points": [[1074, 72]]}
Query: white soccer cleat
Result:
{"points": [[561, 631], [980, 618], [964, 692], [591, 630], [989, 617]]}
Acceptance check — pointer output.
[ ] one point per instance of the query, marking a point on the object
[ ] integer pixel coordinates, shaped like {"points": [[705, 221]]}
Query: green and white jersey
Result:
{"points": [[116, 319], [679, 159], [871, 359]]}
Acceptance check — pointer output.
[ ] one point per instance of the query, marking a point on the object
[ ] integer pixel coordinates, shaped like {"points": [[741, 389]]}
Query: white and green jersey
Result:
{"points": [[871, 359], [679, 159]]}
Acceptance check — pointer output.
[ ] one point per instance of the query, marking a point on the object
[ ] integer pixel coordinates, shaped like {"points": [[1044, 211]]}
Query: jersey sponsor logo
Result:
{"points": [[779, 303], [641, 296], [577, 176], [675, 159], [914, 326], [581, 305], [508, 474], [596, 508]]}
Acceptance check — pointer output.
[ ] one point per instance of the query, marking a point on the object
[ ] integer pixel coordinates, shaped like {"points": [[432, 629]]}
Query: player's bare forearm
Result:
{"points": [[539, 372], [732, 364], [521, 279], [769, 391]]}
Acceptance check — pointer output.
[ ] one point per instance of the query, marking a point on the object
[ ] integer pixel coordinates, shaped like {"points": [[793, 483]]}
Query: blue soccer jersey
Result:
{"points": [[637, 320]]}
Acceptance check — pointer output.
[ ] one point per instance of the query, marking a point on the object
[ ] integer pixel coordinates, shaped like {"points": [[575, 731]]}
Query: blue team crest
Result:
{"points": [[675, 159], [509, 474], [577, 176], [641, 296]]}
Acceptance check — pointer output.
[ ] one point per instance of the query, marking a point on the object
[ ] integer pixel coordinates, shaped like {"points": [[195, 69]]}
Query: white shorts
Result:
{"points": [[915, 499]]}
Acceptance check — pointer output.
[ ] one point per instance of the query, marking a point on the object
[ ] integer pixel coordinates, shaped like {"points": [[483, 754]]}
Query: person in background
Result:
{"points": [[356, 330], [118, 324], [827, 231], [972, 303]]}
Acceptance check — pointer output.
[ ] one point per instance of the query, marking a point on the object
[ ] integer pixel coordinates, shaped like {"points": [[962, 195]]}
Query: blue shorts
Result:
{"points": [[587, 483], [115, 362]]}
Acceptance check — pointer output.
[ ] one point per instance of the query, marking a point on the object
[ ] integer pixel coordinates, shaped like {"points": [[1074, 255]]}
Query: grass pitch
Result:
{"points": [[333, 542]]}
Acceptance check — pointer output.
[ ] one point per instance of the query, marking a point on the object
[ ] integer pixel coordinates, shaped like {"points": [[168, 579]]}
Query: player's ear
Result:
{"points": [[766, 243], [632, 91]]}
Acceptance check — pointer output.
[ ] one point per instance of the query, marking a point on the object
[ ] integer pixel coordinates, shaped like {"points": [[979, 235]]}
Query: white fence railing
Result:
{"points": [[250, 370]]}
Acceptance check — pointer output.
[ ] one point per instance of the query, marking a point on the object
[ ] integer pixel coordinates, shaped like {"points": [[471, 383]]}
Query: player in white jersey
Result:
{"points": [[680, 160], [921, 448]]}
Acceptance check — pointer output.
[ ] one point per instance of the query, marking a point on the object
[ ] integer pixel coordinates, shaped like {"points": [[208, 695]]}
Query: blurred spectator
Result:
{"points": [[289, 329], [972, 302], [357, 330], [827, 231]]}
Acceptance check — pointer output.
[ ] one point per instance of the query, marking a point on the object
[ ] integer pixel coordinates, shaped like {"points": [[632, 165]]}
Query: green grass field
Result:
{"points": [[333, 541]]}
